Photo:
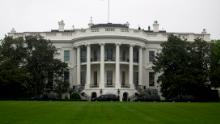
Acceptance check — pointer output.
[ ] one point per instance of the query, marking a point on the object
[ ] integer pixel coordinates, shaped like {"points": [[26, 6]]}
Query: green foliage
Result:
{"points": [[13, 74], [184, 69], [29, 65], [215, 64]]}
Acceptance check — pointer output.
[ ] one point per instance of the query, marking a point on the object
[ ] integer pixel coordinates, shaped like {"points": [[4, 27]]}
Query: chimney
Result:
{"points": [[204, 31], [156, 26], [61, 25], [127, 24], [13, 30]]}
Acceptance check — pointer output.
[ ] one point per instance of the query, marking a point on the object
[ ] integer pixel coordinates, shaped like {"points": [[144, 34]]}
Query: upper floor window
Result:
{"points": [[66, 55], [151, 56], [109, 54], [109, 78], [83, 54]]}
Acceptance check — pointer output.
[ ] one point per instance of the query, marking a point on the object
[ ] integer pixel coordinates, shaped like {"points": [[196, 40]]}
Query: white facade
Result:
{"points": [[110, 58]]}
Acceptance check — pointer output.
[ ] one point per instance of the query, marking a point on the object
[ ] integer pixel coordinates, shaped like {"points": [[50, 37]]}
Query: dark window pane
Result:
{"points": [[151, 56], [66, 55], [151, 78], [109, 77], [66, 76]]}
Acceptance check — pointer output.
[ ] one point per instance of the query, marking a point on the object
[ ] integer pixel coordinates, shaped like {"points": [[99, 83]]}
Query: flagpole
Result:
{"points": [[108, 11]]}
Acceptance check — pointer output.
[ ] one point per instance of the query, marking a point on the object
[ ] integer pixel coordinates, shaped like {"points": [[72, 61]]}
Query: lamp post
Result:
{"points": [[119, 94]]}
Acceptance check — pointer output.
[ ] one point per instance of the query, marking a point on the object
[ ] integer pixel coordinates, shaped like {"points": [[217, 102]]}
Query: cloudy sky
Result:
{"points": [[173, 15]]}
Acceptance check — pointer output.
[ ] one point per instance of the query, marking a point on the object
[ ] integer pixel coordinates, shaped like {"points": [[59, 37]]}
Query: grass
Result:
{"points": [[35, 112]]}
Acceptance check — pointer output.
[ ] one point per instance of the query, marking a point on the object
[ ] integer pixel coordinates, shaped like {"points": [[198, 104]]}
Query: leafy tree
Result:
{"points": [[199, 69], [171, 62], [42, 65], [28, 66], [184, 69], [13, 75], [215, 64]]}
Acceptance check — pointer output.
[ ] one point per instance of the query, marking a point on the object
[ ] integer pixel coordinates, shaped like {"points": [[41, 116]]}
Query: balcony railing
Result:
{"points": [[109, 58], [109, 85], [124, 59], [125, 85], [94, 85], [95, 59]]}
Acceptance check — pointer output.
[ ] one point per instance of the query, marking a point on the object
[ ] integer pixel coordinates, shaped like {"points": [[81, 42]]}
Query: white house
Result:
{"points": [[110, 58]]}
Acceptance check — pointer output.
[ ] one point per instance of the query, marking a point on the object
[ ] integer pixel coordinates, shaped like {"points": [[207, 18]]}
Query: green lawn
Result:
{"points": [[28, 112]]}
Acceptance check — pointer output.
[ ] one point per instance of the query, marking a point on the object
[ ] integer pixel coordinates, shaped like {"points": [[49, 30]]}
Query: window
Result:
{"points": [[83, 54], [135, 79], [83, 78], [109, 52], [136, 55], [66, 55], [109, 78], [151, 56], [66, 76], [151, 79], [95, 54], [123, 78], [95, 78]]}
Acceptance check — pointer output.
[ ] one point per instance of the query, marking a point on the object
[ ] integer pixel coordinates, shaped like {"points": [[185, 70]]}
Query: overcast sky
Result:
{"points": [[172, 15]]}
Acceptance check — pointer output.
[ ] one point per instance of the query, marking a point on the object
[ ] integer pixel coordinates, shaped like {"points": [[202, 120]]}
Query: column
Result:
{"points": [[102, 66], [117, 67], [88, 67], [78, 66], [140, 67], [131, 67]]}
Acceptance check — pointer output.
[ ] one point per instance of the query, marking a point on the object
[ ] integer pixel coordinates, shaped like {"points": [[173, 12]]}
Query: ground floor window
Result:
{"points": [[83, 78], [109, 78], [151, 78], [136, 78], [123, 78], [66, 76], [95, 78]]}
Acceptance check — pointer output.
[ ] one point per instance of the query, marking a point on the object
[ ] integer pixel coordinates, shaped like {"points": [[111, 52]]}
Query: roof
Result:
{"points": [[110, 25]]}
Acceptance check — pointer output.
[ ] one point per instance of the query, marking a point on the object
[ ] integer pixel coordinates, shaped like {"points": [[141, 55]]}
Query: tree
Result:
{"points": [[199, 69], [13, 75], [215, 64], [171, 62], [42, 65], [27, 65], [184, 69]]}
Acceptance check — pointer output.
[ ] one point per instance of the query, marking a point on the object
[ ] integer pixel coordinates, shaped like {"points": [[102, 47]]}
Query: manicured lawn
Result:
{"points": [[29, 112]]}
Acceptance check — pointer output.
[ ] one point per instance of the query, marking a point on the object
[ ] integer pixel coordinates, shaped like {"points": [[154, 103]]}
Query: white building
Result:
{"points": [[110, 58]]}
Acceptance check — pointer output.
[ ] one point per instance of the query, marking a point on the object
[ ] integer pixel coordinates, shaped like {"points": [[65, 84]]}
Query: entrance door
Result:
{"points": [[125, 96]]}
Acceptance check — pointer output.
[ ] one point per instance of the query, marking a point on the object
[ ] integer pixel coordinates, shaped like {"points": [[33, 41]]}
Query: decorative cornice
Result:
{"points": [[111, 37]]}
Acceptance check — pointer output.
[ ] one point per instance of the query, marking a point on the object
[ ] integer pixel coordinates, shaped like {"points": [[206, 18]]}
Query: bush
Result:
{"points": [[148, 95], [75, 96]]}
